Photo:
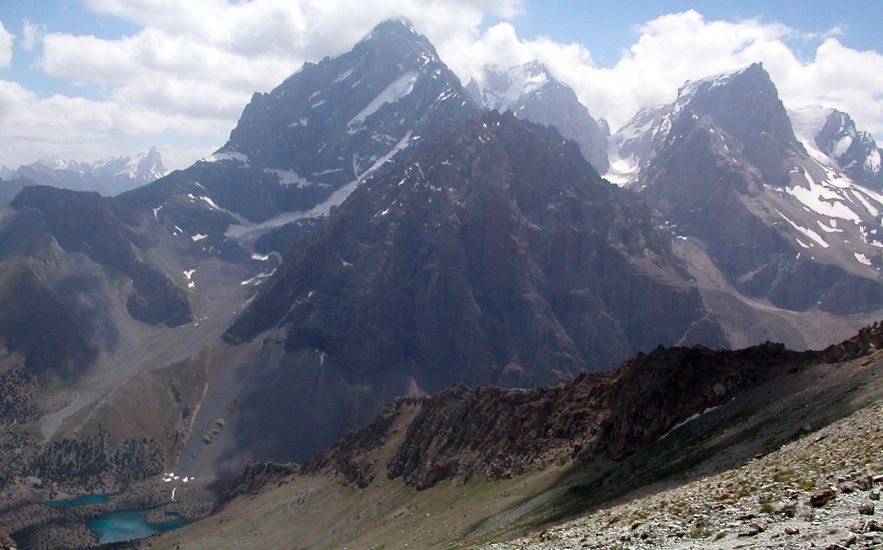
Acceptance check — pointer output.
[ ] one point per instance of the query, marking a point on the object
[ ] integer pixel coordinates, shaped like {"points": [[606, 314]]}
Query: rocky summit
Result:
{"points": [[725, 168], [300, 149]]}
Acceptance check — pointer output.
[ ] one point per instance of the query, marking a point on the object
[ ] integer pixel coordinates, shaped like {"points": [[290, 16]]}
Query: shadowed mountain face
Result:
{"points": [[59, 250], [88, 224], [494, 255], [9, 188]]}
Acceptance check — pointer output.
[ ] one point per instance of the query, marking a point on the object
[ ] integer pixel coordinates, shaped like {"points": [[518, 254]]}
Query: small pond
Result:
{"points": [[79, 501], [129, 525]]}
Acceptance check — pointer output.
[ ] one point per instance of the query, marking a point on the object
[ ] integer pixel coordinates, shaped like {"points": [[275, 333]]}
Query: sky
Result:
{"points": [[87, 79]]}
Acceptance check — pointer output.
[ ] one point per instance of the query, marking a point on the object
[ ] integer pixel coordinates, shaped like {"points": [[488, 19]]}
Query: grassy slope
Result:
{"points": [[317, 511]]}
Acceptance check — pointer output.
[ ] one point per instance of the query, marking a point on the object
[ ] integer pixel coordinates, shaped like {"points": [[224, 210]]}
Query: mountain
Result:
{"points": [[299, 150], [724, 167], [9, 188], [493, 254], [369, 233], [830, 136], [113, 306], [105, 313], [532, 93], [108, 176], [468, 468], [88, 224]]}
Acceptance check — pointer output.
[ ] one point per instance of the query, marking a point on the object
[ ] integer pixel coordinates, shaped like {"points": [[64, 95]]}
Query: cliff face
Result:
{"points": [[499, 433]]}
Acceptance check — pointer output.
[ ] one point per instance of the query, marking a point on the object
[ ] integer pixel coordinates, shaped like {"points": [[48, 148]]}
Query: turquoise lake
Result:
{"points": [[129, 525], [79, 501]]}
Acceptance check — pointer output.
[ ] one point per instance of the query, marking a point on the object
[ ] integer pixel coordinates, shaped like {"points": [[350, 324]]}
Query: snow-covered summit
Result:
{"points": [[830, 136], [504, 89], [108, 176], [532, 93]]}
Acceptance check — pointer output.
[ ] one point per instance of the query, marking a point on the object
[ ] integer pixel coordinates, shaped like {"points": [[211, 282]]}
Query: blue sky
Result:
{"points": [[607, 27], [92, 78]]}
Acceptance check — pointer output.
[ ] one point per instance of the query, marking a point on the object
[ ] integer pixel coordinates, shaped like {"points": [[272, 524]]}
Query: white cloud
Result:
{"points": [[31, 34], [73, 127], [6, 40], [193, 66], [674, 48]]}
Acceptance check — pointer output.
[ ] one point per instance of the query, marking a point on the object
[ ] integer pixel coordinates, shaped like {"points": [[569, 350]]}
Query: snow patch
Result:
{"points": [[289, 178], [198, 237], [823, 199], [210, 202], [862, 259], [806, 231], [829, 228], [841, 146], [258, 277], [190, 284], [807, 122], [872, 162], [621, 171], [233, 156], [343, 76], [398, 89]]}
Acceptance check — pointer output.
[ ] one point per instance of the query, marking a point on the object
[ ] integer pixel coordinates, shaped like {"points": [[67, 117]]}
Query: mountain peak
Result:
{"points": [[532, 93], [536, 67], [395, 25], [746, 105], [752, 75], [398, 34]]}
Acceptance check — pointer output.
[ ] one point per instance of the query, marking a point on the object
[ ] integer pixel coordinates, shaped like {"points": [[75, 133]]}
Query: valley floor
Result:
{"points": [[765, 503]]}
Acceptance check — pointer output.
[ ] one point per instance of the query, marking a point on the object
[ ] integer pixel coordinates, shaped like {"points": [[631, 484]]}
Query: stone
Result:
{"points": [[821, 498], [875, 495], [791, 530], [866, 509], [789, 510], [754, 529], [857, 527]]}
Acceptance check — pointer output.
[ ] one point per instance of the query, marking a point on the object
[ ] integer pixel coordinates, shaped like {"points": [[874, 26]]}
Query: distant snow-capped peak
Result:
{"points": [[503, 89], [830, 137], [143, 167]]}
